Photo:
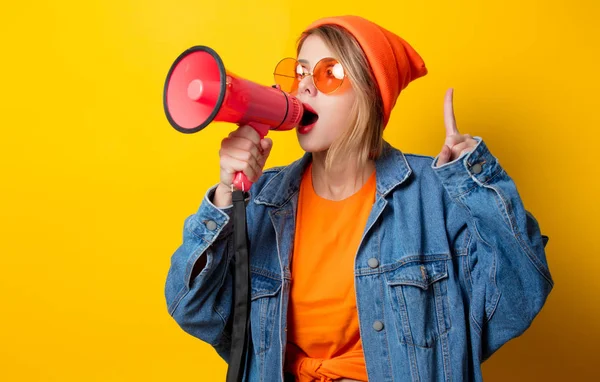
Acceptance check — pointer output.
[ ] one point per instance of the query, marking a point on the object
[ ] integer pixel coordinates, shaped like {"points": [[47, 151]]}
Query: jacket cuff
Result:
{"points": [[214, 222], [468, 171]]}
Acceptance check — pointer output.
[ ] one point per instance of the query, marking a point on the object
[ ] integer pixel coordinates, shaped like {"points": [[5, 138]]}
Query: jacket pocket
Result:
{"points": [[263, 309], [419, 296]]}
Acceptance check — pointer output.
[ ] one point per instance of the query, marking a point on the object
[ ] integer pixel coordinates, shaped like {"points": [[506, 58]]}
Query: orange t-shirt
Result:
{"points": [[323, 336]]}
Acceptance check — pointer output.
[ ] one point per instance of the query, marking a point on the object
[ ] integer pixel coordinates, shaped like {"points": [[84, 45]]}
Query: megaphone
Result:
{"points": [[199, 90]]}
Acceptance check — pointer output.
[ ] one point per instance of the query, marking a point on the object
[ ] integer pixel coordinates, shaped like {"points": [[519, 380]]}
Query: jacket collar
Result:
{"points": [[391, 167]]}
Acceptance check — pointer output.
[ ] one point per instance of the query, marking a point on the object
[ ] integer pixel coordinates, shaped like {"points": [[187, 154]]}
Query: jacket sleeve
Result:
{"points": [[504, 267], [199, 284]]}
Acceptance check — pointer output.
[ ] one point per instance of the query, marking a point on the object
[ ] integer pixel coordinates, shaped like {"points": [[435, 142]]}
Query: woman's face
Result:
{"points": [[332, 109]]}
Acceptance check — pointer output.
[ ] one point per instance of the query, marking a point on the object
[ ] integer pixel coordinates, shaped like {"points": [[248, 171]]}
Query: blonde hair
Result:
{"points": [[364, 139]]}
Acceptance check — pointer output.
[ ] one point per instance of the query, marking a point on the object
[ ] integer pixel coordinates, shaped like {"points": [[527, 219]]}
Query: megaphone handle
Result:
{"points": [[240, 180]]}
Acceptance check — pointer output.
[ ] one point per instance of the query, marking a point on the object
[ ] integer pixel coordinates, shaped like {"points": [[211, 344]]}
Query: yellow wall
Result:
{"points": [[95, 184]]}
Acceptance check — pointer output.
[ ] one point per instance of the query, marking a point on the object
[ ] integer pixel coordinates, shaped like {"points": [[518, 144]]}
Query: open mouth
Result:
{"points": [[309, 118]]}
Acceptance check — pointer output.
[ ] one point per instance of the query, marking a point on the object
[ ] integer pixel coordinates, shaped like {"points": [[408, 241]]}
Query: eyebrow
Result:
{"points": [[303, 62]]}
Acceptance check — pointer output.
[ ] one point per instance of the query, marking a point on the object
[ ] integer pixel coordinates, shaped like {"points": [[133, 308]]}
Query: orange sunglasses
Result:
{"points": [[328, 75]]}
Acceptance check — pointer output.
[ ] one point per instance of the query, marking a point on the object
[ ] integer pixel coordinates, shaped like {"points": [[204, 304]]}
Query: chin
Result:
{"points": [[311, 143], [316, 140]]}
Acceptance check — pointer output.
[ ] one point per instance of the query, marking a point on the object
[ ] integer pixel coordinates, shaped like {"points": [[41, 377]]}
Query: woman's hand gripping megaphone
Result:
{"points": [[243, 155]]}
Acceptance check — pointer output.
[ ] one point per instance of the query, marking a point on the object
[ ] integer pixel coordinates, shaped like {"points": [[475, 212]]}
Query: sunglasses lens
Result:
{"points": [[286, 76], [328, 75]]}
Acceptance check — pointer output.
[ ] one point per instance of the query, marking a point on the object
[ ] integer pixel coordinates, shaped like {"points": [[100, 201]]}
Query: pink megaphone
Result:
{"points": [[198, 90]]}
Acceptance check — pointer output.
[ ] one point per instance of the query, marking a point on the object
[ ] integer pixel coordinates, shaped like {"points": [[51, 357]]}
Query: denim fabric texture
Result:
{"points": [[450, 267]]}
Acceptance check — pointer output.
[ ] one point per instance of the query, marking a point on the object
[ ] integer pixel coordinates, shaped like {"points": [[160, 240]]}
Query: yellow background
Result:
{"points": [[95, 184]]}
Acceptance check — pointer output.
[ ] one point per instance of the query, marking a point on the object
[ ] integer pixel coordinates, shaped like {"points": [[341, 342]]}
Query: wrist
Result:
{"points": [[222, 197]]}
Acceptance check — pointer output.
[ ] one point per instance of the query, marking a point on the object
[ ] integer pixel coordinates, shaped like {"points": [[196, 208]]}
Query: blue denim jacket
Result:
{"points": [[450, 267]]}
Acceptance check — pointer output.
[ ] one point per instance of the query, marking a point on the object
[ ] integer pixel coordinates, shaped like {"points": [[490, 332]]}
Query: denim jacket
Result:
{"points": [[450, 267]]}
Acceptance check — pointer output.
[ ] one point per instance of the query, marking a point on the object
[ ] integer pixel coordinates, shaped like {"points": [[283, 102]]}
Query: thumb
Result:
{"points": [[266, 145], [444, 156]]}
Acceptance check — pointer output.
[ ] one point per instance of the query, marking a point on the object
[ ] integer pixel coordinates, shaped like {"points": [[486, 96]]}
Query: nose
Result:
{"points": [[307, 86]]}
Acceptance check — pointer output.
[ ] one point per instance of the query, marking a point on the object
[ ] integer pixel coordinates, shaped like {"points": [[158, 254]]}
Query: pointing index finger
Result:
{"points": [[449, 119]]}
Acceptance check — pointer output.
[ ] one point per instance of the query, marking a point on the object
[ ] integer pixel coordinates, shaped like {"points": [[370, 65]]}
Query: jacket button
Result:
{"points": [[373, 262], [211, 225], [378, 325], [476, 168]]}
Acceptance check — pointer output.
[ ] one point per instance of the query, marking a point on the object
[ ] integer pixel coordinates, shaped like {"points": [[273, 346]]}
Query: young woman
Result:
{"points": [[366, 263]]}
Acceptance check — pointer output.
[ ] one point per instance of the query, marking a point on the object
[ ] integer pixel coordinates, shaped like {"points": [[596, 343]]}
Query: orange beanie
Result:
{"points": [[393, 61]]}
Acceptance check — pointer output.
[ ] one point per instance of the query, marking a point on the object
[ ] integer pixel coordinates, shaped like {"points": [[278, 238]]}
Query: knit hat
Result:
{"points": [[393, 61]]}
